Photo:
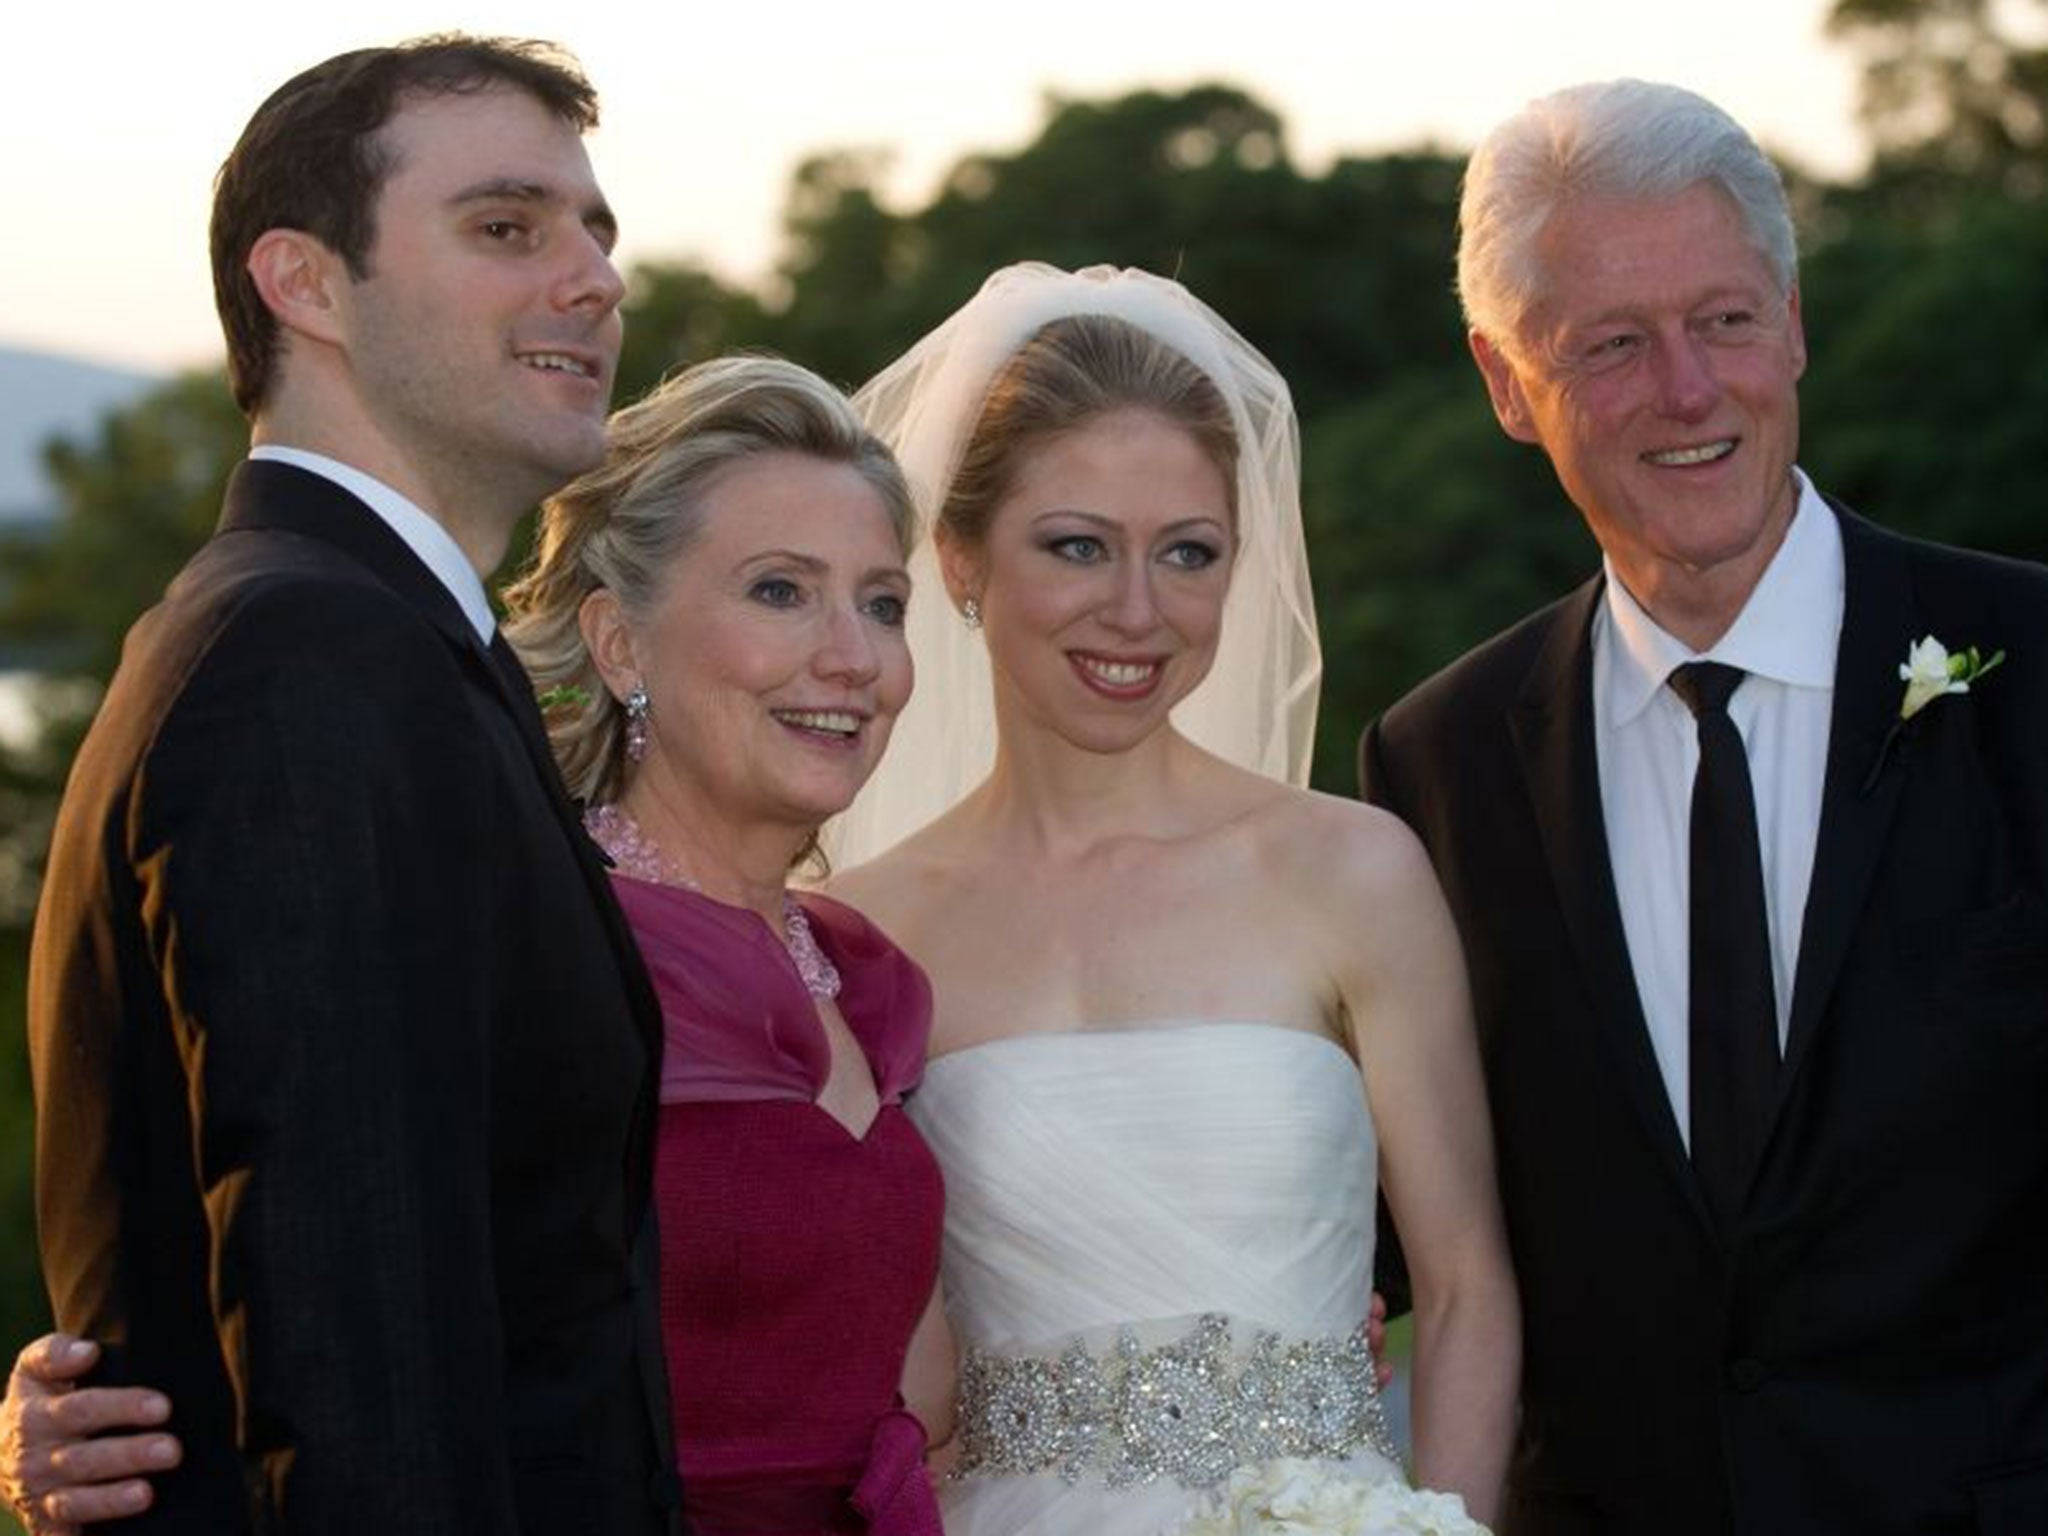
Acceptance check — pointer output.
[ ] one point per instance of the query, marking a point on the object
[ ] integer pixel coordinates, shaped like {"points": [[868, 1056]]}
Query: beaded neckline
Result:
{"points": [[639, 857]]}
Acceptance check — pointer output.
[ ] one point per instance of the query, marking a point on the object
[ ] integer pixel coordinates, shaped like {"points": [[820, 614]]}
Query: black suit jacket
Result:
{"points": [[1870, 1352], [344, 1061]]}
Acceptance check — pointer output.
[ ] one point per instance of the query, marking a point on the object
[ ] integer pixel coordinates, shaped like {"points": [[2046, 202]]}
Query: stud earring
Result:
{"points": [[971, 612], [637, 710]]}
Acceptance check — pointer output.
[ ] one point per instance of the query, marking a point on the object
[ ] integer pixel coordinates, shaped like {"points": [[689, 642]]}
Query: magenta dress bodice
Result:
{"points": [[796, 1257]]}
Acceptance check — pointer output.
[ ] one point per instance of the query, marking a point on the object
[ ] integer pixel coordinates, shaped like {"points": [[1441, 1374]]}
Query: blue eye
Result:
{"points": [[776, 592], [887, 608], [1192, 554], [1081, 548]]}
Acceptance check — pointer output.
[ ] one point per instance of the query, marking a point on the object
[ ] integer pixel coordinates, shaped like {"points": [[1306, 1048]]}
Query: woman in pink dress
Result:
{"points": [[716, 618]]}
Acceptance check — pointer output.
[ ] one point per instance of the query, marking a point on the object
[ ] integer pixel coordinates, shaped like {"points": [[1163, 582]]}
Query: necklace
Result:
{"points": [[639, 857]]}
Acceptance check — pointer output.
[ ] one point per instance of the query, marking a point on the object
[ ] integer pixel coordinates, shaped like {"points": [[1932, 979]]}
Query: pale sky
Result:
{"points": [[117, 118]]}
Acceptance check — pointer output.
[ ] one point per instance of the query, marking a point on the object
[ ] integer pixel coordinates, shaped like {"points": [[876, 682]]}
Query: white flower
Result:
{"points": [[1929, 672], [1290, 1497], [1925, 674]]}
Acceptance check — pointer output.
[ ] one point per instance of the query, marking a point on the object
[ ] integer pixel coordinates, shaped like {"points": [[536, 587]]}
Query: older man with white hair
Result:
{"points": [[1747, 839]]}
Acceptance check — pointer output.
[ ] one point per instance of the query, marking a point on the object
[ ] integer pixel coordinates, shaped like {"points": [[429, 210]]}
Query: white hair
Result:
{"points": [[1632, 139]]}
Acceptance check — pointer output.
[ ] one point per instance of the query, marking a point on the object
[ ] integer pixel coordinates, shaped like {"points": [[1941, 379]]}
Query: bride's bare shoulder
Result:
{"points": [[1340, 849]]}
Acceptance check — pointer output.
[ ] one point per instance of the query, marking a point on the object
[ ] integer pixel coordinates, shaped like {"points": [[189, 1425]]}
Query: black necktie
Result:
{"points": [[1734, 1020]]}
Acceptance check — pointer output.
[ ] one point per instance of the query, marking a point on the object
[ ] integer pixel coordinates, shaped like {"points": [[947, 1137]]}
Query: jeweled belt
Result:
{"points": [[1193, 1410]]}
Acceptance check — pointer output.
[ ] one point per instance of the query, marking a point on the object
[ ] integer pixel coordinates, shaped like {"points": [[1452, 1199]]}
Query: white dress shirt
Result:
{"points": [[435, 545], [1785, 638]]}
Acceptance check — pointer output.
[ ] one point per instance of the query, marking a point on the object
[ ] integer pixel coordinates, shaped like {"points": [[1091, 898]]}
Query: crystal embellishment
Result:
{"points": [[636, 855], [1193, 1410], [813, 966]]}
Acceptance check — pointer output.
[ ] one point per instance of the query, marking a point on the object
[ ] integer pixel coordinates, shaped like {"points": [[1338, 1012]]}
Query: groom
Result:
{"points": [[344, 1063], [1760, 962]]}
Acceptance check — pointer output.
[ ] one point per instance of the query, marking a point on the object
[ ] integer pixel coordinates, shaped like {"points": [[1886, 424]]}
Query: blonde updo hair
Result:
{"points": [[624, 524]]}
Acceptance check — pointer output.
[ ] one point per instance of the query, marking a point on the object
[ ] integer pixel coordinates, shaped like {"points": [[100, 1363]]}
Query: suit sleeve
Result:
{"points": [[1372, 769], [1390, 1265], [313, 839]]}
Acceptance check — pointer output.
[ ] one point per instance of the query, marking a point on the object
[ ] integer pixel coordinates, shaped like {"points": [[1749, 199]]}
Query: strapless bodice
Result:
{"points": [[1102, 1178]]}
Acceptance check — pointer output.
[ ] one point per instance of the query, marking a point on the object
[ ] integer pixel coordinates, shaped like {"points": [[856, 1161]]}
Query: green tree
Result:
{"points": [[679, 313], [1928, 385], [1950, 93], [138, 497], [1428, 531], [1341, 279]]}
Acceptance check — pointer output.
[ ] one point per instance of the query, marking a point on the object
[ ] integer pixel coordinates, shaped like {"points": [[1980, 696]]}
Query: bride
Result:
{"points": [[1188, 1015]]}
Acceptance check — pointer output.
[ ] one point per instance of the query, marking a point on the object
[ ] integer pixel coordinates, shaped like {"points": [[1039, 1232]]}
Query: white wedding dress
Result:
{"points": [[1129, 1213]]}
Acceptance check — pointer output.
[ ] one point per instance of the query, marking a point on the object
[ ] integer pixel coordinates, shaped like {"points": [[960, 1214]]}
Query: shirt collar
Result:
{"points": [[434, 545], [1788, 631]]}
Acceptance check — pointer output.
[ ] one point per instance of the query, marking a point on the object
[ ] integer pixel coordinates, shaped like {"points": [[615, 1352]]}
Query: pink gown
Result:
{"points": [[796, 1257]]}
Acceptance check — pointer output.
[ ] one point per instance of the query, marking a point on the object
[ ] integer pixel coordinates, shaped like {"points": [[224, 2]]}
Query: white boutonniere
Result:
{"points": [[1930, 671]]}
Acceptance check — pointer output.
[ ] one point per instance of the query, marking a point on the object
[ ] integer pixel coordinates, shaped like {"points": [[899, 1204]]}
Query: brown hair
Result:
{"points": [[310, 160], [1067, 373]]}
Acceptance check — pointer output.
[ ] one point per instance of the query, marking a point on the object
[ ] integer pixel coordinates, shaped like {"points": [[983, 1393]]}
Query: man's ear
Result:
{"points": [[300, 281], [963, 568], [609, 640], [1503, 388]]}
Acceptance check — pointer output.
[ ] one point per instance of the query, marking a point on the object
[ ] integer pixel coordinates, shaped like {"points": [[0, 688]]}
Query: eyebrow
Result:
{"points": [[781, 557], [597, 216], [811, 565], [1097, 520], [1718, 293]]}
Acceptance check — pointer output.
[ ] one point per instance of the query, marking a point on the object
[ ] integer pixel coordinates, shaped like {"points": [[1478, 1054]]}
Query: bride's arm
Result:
{"points": [[1406, 996]]}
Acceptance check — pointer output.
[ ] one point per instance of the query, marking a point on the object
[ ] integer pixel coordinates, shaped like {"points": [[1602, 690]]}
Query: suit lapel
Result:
{"points": [[1552, 726], [264, 493], [515, 690], [1553, 731], [269, 494], [1879, 619]]}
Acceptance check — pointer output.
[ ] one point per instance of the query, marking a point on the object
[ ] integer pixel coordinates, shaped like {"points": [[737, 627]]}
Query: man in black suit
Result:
{"points": [[1764, 1011], [344, 1062]]}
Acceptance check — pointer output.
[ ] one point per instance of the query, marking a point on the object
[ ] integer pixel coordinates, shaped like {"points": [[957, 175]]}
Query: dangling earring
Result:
{"points": [[971, 612], [636, 723]]}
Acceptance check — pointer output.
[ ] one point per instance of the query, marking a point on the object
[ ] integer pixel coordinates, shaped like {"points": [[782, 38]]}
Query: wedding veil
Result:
{"points": [[1257, 706]]}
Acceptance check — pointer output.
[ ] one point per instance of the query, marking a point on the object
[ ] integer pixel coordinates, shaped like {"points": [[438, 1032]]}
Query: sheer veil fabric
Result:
{"points": [[1256, 708]]}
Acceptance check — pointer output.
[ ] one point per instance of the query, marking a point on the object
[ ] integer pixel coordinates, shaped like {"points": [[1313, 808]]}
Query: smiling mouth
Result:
{"points": [[1119, 679], [833, 724], [560, 362], [1682, 458]]}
